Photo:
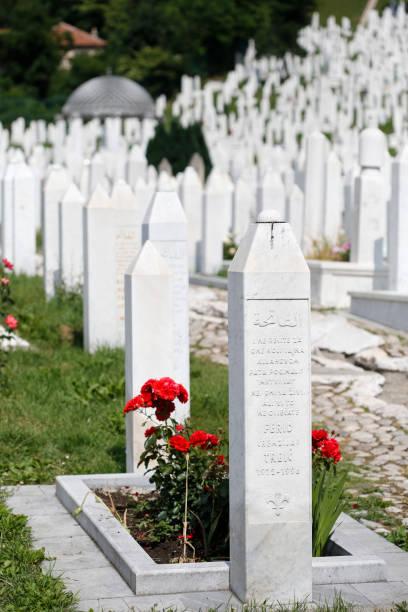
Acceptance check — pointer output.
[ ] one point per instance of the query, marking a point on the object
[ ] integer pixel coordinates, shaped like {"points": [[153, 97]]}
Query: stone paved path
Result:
{"points": [[366, 406]]}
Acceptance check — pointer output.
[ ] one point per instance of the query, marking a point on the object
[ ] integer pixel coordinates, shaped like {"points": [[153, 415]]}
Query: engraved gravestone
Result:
{"points": [[269, 391]]}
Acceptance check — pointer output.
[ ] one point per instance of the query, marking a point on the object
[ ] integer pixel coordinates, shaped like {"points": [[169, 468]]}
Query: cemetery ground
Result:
{"points": [[61, 413]]}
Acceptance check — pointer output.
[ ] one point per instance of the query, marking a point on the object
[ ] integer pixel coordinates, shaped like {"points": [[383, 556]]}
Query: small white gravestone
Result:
{"points": [[197, 163], [270, 414], [56, 185], [316, 154], [149, 335], [295, 212], [19, 216], [71, 238], [271, 192], [165, 226], [128, 240], [333, 198], [216, 210], [370, 208], [100, 303], [191, 195], [398, 245]]}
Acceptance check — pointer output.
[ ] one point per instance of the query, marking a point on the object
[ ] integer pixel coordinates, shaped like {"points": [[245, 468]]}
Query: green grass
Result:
{"points": [[24, 587], [61, 409]]}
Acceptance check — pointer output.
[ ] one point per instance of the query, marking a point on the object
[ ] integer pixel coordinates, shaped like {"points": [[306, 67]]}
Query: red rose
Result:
{"points": [[163, 409], [179, 427], [147, 398], [220, 460], [11, 321], [179, 443], [5, 281], [134, 404], [149, 432], [182, 394], [165, 388], [212, 441], [198, 438], [148, 386], [7, 263], [330, 448], [318, 437]]}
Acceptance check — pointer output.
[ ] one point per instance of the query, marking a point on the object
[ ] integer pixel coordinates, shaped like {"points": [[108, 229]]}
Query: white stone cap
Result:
{"points": [[270, 215], [372, 148]]}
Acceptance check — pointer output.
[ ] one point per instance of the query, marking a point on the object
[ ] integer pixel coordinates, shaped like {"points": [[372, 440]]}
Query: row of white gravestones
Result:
{"points": [[111, 240], [18, 203], [156, 311]]}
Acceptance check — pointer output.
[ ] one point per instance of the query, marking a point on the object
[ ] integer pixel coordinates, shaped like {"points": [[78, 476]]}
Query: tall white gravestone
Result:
{"points": [[148, 335], [165, 226], [71, 238], [398, 260], [270, 415]]}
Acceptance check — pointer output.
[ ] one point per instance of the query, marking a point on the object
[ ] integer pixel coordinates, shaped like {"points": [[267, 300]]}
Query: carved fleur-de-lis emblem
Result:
{"points": [[278, 502]]}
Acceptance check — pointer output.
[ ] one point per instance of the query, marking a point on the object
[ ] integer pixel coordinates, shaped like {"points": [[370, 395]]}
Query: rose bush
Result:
{"points": [[8, 321], [186, 467], [327, 488]]}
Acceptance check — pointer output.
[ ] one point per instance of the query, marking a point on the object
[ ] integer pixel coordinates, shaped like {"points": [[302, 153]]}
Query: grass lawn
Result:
{"points": [[23, 585], [61, 409], [352, 9]]}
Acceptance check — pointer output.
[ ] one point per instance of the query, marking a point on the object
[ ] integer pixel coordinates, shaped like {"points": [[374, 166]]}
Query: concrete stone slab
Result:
{"points": [[64, 526], [384, 593], [334, 333], [96, 583], [39, 505], [326, 594], [25, 491], [71, 545], [397, 565], [115, 604], [143, 603], [84, 559]]}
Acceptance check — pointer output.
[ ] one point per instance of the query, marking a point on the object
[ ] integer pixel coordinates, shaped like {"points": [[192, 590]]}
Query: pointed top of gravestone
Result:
{"points": [[149, 262], [58, 178], [17, 157], [73, 194], [190, 178], [372, 148], [123, 197], [270, 215], [23, 171], [99, 198], [197, 163], [136, 153], [165, 209], [166, 182], [165, 166]]}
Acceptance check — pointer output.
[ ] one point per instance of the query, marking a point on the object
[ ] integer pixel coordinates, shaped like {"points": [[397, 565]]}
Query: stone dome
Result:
{"points": [[109, 96]]}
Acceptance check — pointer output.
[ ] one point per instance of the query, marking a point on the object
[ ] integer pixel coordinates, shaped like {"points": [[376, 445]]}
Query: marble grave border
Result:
{"points": [[145, 577]]}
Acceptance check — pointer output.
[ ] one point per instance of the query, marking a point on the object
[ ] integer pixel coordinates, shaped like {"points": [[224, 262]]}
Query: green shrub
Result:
{"points": [[176, 143]]}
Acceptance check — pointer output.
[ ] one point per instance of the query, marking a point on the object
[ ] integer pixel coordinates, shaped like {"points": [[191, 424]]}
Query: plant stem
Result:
{"points": [[185, 510]]}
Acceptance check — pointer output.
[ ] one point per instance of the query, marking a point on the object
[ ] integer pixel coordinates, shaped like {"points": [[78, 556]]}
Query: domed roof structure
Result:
{"points": [[109, 96]]}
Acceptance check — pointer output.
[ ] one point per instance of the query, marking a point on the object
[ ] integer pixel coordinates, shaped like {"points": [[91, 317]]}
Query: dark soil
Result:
{"points": [[140, 512]]}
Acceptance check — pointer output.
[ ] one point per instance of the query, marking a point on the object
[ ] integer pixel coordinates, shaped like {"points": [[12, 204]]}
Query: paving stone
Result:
{"points": [[144, 603], [115, 604], [326, 594], [64, 526], [384, 593], [96, 583]]}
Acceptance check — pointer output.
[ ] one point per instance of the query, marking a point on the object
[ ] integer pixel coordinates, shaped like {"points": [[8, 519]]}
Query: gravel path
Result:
{"points": [[359, 385]]}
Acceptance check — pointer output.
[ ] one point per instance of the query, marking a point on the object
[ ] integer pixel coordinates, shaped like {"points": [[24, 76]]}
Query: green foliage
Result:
{"points": [[327, 505], [177, 144], [29, 51], [206, 473], [23, 585], [158, 69], [399, 537], [83, 68]]}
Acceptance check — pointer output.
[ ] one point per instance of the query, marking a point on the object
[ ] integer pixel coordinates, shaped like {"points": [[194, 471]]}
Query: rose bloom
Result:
{"points": [[179, 443], [220, 460], [163, 409], [212, 441], [318, 437], [7, 263], [134, 404], [198, 438], [149, 432], [330, 448], [11, 321], [5, 281], [179, 427]]}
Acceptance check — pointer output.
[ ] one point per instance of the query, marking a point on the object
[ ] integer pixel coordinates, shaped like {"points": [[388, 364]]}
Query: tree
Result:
{"points": [[28, 52]]}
